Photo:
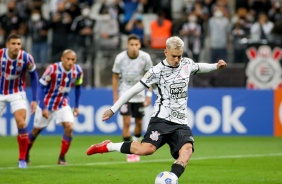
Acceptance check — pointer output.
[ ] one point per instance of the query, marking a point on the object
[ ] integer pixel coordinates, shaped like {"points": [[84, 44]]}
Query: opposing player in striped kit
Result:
{"points": [[54, 87], [14, 64]]}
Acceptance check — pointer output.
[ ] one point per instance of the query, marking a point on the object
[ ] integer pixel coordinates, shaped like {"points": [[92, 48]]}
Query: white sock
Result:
{"points": [[114, 146], [138, 139]]}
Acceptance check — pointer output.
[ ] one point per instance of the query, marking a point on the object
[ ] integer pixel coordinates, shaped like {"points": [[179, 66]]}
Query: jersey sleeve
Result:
{"points": [[150, 77], [46, 77], [30, 63], [116, 66], [79, 79]]}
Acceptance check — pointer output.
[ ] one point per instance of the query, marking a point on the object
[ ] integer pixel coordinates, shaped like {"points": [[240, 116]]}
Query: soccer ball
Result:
{"points": [[166, 177]]}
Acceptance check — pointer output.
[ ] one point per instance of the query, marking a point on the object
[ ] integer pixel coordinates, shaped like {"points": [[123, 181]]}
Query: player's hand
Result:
{"points": [[33, 106], [75, 112], [147, 101], [107, 114], [45, 113], [221, 64]]}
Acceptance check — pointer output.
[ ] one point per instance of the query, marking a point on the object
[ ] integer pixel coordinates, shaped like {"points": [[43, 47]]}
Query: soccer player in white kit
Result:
{"points": [[168, 124], [129, 67]]}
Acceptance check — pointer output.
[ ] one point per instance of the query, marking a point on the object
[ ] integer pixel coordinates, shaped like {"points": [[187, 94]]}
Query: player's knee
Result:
{"points": [[147, 149], [36, 131], [68, 127]]}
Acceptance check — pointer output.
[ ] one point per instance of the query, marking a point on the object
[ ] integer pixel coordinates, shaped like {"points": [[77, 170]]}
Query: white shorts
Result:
{"points": [[16, 100], [60, 116]]}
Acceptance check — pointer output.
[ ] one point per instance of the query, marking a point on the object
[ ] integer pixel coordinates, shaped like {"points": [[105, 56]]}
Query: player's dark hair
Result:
{"points": [[133, 37], [13, 36]]}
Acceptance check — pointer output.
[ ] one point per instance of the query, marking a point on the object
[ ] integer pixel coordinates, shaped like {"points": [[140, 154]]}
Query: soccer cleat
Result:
{"points": [[22, 164], [98, 148], [62, 161], [133, 158]]}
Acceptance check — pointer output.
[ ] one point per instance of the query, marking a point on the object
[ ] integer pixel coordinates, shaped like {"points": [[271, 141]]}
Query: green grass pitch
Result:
{"points": [[216, 160]]}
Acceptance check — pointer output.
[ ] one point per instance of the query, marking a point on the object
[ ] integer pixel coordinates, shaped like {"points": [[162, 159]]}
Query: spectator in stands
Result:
{"points": [[242, 17], [72, 8], [208, 5], [114, 8], [106, 31], [38, 30], [275, 13], [241, 25], [3, 7], [161, 29], [164, 6], [37, 4], [11, 22], [202, 14], [136, 26], [223, 6], [83, 28], [23, 8], [191, 32], [261, 28], [129, 8], [219, 29], [260, 6], [60, 24], [83, 3], [238, 33]]}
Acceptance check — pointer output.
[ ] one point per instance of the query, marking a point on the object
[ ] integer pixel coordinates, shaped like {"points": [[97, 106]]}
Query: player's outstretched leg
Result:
{"points": [[98, 148]]}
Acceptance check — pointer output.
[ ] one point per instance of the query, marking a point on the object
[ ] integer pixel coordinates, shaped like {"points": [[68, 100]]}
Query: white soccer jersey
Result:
{"points": [[131, 71], [171, 88]]}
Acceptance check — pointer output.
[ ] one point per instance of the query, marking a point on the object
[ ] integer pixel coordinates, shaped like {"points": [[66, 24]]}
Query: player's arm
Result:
{"points": [[34, 87], [148, 98], [123, 99], [41, 91], [206, 67], [77, 93], [115, 79]]}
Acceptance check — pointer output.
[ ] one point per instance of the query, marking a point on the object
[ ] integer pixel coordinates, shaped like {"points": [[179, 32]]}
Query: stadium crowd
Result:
{"points": [[218, 26]]}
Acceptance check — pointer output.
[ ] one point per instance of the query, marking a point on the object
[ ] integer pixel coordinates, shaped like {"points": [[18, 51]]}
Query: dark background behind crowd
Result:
{"points": [[97, 29]]}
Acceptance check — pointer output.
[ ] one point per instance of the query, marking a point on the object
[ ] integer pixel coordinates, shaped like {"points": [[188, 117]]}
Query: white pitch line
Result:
{"points": [[155, 160]]}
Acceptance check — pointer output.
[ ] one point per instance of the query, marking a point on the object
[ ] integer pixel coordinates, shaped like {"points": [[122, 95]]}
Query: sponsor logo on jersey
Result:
{"points": [[178, 90]]}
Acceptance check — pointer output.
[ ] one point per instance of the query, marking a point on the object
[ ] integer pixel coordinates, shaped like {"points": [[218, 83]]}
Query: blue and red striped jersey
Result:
{"points": [[12, 73], [58, 84]]}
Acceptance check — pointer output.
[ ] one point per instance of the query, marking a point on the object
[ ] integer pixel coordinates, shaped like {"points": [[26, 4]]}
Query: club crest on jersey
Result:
{"points": [[185, 71], [19, 68], [155, 135], [48, 78], [30, 66]]}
